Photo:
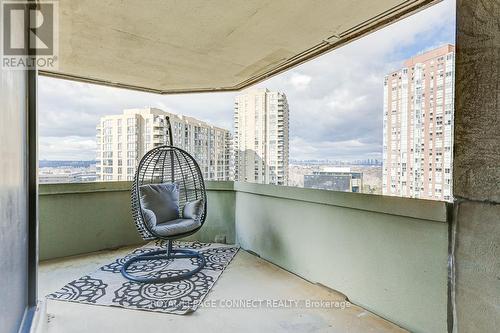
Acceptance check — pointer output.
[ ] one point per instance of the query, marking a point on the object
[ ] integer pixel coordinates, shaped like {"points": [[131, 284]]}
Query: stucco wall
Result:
{"points": [[87, 217], [13, 203], [476, 168], [388, 255]]}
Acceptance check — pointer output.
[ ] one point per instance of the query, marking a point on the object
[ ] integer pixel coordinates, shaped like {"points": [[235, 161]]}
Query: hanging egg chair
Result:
{"points": [[169, 201]]}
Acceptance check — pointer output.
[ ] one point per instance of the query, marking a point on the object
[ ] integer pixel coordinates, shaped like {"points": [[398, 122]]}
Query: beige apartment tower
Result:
{"points": [[261, 137], [123, 139], [418, 127]]}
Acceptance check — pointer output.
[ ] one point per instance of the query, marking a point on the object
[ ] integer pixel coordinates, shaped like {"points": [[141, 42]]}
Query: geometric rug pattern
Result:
{"points": [[108, 287]]}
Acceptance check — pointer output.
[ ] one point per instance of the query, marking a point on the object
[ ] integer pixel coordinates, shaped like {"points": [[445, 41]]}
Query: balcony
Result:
{"points": [[387, 256], [159, 132]]}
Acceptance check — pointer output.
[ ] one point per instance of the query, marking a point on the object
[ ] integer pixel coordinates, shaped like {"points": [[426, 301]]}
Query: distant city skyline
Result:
{"points": [[336, 99]]}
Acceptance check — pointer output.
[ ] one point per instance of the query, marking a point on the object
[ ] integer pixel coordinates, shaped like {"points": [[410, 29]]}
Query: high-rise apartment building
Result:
{"points": [[418, 127], [261, 137], [123, 139]]}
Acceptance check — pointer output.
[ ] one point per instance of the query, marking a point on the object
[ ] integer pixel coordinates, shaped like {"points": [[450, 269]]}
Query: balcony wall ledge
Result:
{"points": [[115, 186], [69, 188], [77, 218], [419, 209]]}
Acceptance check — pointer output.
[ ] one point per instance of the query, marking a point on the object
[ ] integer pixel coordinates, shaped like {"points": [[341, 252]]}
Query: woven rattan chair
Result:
{"points": [[162, 169]]}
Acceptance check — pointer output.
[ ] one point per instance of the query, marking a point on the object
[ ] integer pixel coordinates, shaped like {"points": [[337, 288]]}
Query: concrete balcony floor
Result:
{"points": [[247, 277]]}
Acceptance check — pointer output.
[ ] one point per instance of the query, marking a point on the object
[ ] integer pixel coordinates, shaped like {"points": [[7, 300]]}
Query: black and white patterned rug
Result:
{"points": [[108, 287]]}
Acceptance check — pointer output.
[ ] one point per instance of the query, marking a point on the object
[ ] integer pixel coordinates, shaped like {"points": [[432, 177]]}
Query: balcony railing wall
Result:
{"points": [[386, 254], [81, 218]]}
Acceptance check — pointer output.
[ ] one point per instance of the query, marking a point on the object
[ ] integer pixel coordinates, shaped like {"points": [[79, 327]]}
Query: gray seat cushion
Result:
{"points": [[193, 210], [176, 227], [162, 200]]}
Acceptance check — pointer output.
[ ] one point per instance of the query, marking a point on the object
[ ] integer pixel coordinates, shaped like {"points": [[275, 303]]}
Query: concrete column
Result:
{"points": [[475, 296]]}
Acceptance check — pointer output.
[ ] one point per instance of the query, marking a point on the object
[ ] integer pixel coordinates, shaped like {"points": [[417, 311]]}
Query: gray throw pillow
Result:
{"points": [[162, 200], [149, 217], [193, 210]]}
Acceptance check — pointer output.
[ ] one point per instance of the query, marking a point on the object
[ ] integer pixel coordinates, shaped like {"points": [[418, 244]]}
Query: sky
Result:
{"points": [[335, 100]]}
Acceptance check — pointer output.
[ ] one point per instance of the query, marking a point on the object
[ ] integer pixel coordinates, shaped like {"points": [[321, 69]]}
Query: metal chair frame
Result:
{"points": [[159, 165]]}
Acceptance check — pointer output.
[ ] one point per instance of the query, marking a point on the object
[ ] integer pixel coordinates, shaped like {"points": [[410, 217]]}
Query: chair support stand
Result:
{"points": [[168, 254]]}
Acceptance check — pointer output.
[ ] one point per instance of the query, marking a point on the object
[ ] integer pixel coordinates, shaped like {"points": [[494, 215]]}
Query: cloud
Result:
{"points": [[70, 111], [351, 149], [343, 102], [67, 148], [335, 100], [300, 81], [74, 108]]}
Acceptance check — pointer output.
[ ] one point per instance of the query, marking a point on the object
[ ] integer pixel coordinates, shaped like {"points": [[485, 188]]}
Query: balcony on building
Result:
{"points": [[387, 256]]}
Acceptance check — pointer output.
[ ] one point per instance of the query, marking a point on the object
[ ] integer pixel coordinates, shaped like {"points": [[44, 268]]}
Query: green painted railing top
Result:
{"points": [[414, 208], [67, 188]]}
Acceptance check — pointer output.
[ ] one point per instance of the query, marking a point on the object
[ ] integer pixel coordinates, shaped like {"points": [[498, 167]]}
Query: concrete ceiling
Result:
{"points": [[168, 46]]}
